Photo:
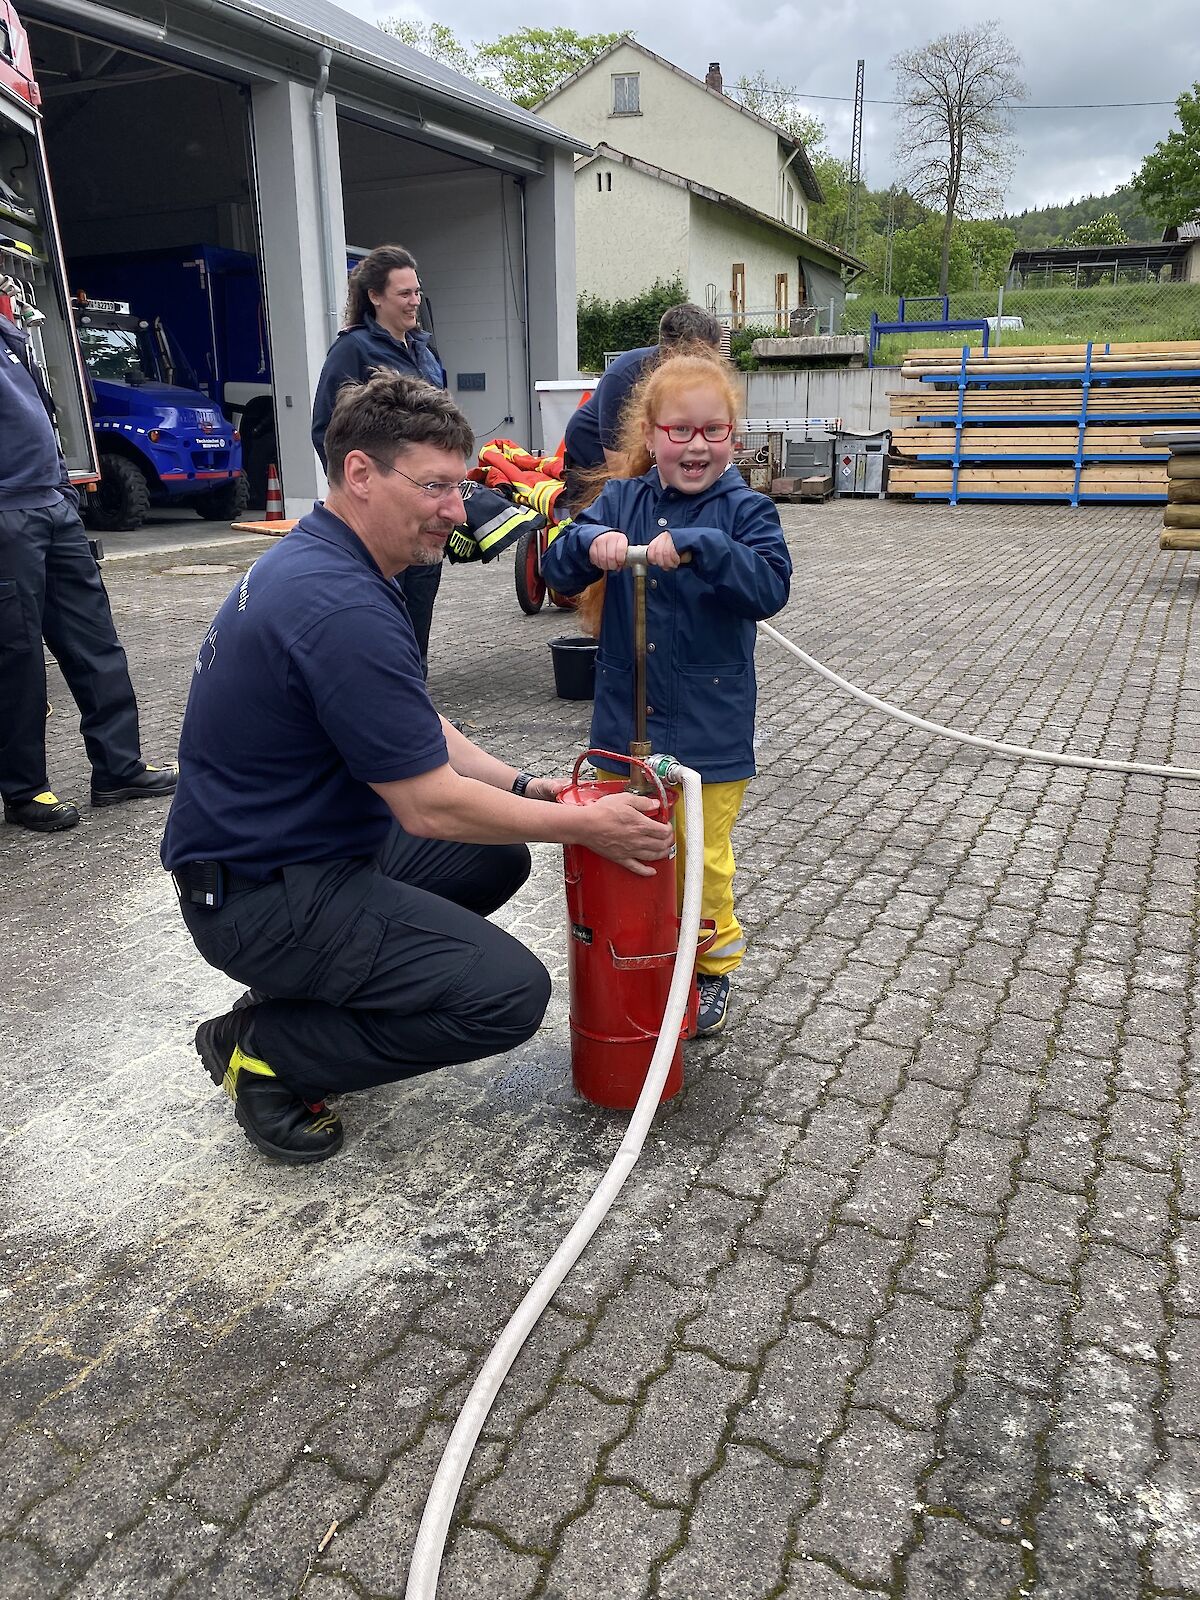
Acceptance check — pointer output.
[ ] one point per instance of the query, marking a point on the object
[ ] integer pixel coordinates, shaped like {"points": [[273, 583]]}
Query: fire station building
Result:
{"points": [[299, 135]]}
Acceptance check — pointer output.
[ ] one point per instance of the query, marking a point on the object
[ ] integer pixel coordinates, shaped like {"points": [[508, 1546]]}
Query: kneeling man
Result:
{"points": [[335, 843]]}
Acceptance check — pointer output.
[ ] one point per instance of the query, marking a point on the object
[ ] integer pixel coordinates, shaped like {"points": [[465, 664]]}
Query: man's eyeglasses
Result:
{"points": [[682, 433], [437, 490]]}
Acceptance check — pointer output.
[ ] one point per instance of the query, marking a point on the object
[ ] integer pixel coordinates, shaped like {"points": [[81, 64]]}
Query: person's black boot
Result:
{"points": [[274, 1119], [147, 784], [45, 813]]}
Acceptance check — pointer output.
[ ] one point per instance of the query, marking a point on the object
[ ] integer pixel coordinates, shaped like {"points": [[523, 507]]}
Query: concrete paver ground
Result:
{"points": [[903, 1298]]}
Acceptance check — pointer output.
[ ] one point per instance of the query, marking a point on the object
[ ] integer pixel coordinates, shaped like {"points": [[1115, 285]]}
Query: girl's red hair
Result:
{"points": [[693, 367]]}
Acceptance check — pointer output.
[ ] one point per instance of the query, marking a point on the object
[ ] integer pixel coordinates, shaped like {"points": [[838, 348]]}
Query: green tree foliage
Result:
{"points": [[778, 104], [917, 260], [1168, 180], [527, 64], [523, 66], [435, 40], [953, 139], [828, 220], [1048, 225], [990, 246], [1100, 230], [623, 324], [979, 254]]}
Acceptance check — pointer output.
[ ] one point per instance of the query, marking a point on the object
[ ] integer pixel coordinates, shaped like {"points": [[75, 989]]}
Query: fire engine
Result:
{"points": [[33, 283]]}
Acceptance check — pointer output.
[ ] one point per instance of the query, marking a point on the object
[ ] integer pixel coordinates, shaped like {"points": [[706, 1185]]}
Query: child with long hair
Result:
{"points": [[682, 497]]}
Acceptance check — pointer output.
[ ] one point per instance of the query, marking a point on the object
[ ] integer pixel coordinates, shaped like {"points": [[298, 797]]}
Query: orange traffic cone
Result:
{"points": [[274, 495]]}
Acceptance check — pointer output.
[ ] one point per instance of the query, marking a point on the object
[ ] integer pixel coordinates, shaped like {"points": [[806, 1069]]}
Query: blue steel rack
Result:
{"points": [[1077, 457]]}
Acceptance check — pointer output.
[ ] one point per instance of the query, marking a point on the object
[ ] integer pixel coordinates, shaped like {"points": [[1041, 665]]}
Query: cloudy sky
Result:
{"points": [[1074, 51]]}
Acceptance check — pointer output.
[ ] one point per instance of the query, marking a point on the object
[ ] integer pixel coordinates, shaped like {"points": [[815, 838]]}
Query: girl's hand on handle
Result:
{"points": [[661, 552], [607, 550]]}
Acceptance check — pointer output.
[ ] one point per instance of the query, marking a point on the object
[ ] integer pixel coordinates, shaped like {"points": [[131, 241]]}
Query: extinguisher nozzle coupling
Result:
{"points": [[666, 769]]}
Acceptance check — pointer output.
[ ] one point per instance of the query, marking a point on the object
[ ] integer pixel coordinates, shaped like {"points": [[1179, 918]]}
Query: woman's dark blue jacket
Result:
{"points": [[355, 352], [699, 619]]}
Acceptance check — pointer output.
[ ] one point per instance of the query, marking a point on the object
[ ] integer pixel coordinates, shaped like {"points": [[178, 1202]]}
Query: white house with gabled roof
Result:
{"points": [[682, 181]]}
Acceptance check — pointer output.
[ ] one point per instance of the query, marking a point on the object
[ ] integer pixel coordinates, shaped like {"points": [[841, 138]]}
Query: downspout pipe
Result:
{"points": [[529, 379], [324, 217]]}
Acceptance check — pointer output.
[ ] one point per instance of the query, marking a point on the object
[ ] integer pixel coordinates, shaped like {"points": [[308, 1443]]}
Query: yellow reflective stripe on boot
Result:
{"points": [[239, 1061]]}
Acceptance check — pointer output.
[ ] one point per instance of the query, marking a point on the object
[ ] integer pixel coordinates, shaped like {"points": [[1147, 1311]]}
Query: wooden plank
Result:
{"points": [[1183, 491], [1071, 369], [1058, 403], [1181, 517], [1095, 479], [1179, 539], [999, 352], [1183, 467], [999, 441]]}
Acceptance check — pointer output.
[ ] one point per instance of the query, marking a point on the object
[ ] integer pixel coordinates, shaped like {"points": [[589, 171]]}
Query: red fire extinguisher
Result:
{"points": [[621, 952]]}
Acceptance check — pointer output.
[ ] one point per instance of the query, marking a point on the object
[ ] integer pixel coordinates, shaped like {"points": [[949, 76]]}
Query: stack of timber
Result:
{"points": [[1181, 518], [1044, 422]]}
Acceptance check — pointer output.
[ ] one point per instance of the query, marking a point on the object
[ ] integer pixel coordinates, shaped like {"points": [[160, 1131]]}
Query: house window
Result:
{"points": [[626, 100], [737, 294], [604, 182]]}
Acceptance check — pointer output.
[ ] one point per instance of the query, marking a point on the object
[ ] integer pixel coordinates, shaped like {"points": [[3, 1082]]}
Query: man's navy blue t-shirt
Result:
{"points": [[595, 426], [307, 688]]}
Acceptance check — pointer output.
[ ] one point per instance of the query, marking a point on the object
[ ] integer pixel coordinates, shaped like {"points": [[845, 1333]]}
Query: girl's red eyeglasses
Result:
{"points": [[683, 433]]}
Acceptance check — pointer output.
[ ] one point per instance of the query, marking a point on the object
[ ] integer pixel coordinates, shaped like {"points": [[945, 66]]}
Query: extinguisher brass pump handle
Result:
{"points": [[635, 560]]}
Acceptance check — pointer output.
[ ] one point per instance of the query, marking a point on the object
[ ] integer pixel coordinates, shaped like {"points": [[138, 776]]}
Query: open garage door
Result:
{"points": [[152, 171], [463, 220]]}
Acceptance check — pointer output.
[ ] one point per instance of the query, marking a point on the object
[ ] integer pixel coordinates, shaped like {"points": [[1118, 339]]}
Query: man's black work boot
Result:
{"points": [[45, 813], [274, 1119], [147, 784]]}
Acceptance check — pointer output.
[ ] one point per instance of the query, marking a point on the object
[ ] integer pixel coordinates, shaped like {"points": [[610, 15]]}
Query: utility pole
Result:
{"points": [[855, 164], [891, 237]]}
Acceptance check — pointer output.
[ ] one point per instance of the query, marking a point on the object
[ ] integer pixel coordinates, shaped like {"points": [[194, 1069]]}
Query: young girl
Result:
{"points": [[682, 496]]}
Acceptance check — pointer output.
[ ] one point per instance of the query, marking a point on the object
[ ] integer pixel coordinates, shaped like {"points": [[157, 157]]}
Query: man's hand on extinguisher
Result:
{"points": [[619, 828]]}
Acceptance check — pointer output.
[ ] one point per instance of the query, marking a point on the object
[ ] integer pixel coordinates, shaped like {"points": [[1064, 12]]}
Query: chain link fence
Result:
{"points": [[1125, 312]]}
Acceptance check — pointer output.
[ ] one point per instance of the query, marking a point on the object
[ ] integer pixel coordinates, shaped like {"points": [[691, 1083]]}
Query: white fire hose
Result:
{"points": [[1018, 752], [439, 1508]]}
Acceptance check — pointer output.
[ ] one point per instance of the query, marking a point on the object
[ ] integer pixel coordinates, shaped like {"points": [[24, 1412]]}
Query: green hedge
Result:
{"points": [[623, 324]]}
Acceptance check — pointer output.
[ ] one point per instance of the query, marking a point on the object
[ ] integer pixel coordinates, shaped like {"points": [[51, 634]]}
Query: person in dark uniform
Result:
{"points": [[336, 845], [593, 430], [382, 329], [50, 589]]}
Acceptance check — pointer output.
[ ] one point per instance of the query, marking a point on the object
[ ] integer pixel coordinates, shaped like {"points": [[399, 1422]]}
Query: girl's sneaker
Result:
{"points": [[714, 1001]]}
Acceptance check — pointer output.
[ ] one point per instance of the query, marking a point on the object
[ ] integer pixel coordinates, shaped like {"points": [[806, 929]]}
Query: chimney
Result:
{"points": [[713, 78]]}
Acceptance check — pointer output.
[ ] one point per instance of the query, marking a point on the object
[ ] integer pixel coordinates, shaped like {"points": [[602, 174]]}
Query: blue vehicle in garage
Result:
{"points": [[160, 439]]}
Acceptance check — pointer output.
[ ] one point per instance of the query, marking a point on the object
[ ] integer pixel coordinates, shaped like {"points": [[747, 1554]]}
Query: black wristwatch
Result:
{"points": [[521, 783]]}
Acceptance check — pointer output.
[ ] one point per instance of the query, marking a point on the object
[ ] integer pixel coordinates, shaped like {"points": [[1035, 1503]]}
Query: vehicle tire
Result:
{"points": [[226, 503], [122, 501], [531, 590]]}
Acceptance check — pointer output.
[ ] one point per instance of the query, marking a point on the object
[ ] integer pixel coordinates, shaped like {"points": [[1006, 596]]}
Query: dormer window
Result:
{"points": [[626, 97]]}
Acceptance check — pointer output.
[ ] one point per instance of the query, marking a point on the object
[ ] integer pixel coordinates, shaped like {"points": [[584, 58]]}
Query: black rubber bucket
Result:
{"points": [[574, 667]]}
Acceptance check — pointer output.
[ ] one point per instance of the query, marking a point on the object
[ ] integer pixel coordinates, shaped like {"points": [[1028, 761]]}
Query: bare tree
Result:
{"points": [[954, 140]]}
